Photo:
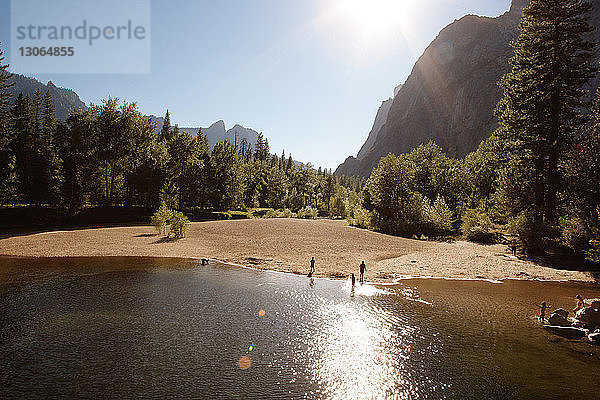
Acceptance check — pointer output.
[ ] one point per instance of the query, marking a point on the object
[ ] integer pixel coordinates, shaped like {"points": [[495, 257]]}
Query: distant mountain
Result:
{"points": [[65, 100], [452, 91], [217, 132]]}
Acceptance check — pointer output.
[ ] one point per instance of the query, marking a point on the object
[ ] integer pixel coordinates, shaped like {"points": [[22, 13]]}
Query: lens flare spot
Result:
{"points": [[262, 313], [244, 362]]}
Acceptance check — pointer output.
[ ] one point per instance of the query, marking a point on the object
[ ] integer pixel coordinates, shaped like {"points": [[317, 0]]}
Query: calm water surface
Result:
{"points": [[143, 328]]}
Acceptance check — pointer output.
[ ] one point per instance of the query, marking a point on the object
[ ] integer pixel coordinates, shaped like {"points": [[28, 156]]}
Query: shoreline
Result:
{"points": [[398, 280], [286, 245]]}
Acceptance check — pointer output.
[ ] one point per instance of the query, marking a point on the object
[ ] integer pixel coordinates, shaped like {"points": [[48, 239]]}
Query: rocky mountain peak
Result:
{"points": [[452, 91], [517, 6]]}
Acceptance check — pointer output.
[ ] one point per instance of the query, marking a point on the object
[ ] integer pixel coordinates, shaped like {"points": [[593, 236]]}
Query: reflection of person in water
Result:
{"points": [[363, 268], [311, 283]]}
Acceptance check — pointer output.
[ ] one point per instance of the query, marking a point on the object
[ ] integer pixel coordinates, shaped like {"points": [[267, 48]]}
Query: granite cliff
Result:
{"points": [[452, 91]]}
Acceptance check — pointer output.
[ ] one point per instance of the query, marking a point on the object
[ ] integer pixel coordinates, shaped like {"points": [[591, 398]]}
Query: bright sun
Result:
{"points": [[372, 16]]}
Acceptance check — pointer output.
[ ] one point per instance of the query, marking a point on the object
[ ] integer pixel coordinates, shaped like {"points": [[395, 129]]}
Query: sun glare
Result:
{"points": [[372, 16]]}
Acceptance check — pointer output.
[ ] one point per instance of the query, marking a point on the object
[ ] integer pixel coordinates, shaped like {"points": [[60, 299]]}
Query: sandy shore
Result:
{"points": [[287, 245]]}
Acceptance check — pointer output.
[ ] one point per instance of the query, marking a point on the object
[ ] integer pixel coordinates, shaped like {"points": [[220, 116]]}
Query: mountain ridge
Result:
{"points": [[65, 100], [216, 132]]}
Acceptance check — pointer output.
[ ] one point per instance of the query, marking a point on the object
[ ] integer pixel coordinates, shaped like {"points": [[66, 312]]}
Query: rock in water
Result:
{"points": [[594, 337], [566, 331], [562, 312], [589, 317], [558, 319], [594, 303]]}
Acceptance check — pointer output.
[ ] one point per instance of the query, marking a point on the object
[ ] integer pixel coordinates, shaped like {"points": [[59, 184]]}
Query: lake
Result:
{"points": [[171, 328]]}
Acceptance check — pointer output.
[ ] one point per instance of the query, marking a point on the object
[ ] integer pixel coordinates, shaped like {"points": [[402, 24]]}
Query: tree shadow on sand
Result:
{"points": [[165, 239], [144, 235], [569, 263]]}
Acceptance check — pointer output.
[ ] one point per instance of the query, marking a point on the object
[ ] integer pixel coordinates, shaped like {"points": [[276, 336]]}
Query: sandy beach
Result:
{"points": [[288, 244]]}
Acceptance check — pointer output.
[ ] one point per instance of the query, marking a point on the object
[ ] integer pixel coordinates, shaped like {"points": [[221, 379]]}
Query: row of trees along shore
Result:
{"points": [[537, 176], [109, 155]]}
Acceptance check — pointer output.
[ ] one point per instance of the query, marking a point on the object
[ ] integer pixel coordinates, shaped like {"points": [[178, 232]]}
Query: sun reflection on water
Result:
{"points": [[359, 353]]}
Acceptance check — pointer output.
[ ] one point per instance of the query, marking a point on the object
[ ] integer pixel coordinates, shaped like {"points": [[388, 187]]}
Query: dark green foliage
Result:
{"points": [[416, 193], [261, 149], [77, 144], [109, 155], [51, 161], [8, 177], [165, 132], [223, 177], [543, 109], [477, 226], [480, 175]]}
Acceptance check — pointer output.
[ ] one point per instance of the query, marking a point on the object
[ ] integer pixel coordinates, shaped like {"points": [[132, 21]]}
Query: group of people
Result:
{"points": [[543, 307], [361, 269]]}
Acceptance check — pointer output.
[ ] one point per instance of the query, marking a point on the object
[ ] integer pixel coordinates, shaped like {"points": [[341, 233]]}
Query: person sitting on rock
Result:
{"points": [[543, 308], [580, 304]]}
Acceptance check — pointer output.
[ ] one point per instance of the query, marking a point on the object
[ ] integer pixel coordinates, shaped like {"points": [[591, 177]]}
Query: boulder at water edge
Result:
{"points": [[589, 317], [566, 331], [558, 319], [594, 337], [562, 312]]}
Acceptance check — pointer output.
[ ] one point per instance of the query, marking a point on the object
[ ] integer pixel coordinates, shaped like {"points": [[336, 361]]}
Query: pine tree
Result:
{"points": [[165, 132], [7, 156], [52, 162], [543, 104], [5, 95], [260, 148], [27, 148]]}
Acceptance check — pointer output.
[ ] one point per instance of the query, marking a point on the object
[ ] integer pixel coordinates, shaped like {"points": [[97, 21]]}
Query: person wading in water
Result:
{"points": [[543, 307], [580, 304], [363, 268], [312, 267]]}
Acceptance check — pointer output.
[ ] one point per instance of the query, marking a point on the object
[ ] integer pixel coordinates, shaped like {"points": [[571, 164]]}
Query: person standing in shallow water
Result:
{"points": [[353, 280], [543, 308], [580, 304], [363, 268], [312, 267]]}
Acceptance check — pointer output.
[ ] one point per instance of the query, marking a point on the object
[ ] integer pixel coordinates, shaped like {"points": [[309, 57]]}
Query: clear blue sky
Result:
{"points": [[309, 74]]}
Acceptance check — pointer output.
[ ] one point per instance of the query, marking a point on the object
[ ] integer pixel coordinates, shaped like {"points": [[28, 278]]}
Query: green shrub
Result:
{"points": [[287, 213], [162, 218], [337, 207], [477, 226], [260, 212], [271, 214], [575, 233], [437, 217], [221, 215], [362, 218], [593, 254], [179, 225], [294, 201], [529, 234], [239, 214], [307, 212]]}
